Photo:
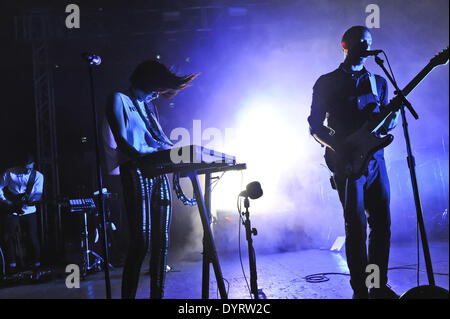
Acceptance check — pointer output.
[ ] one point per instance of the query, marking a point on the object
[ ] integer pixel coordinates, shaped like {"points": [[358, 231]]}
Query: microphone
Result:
{"points": [[91, 58], [367, 53], [252, 190]]}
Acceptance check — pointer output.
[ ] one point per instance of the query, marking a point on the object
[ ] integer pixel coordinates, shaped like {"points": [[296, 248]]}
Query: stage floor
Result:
{"points": [[280, 276]]}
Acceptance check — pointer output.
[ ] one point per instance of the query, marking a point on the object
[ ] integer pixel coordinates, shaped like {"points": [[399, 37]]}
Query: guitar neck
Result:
{"points": [[394, 104], [417, 79]]}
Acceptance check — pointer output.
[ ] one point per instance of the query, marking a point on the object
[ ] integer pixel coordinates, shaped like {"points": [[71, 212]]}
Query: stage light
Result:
{"points": [[269, 140]]}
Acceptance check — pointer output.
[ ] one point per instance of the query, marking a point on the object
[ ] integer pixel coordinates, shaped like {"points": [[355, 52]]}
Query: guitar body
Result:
{"points": [[359, 147], [18, 200]]}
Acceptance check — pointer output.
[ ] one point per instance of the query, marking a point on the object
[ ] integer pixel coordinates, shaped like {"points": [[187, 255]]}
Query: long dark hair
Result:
{"points": [[152, 75]]}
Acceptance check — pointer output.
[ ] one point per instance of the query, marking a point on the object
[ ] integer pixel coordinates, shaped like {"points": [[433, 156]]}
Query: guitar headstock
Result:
{"points": [[440, 58]]}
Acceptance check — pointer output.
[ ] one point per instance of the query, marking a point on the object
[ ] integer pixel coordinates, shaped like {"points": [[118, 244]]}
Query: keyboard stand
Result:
{"points": [[204, 208], [209, 248], [206, 257]]}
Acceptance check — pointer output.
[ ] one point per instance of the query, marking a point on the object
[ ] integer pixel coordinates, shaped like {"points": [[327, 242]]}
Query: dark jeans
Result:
{"points": [[10, 227], [148, 206], [369, 194]]}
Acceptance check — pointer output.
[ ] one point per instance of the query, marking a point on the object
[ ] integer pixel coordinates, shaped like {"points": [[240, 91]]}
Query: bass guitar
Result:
{"points": [[359, 147], [18, 202]]}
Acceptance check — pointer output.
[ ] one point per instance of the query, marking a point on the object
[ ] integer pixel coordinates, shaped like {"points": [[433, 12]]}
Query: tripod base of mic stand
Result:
{"points": [[426, 292], [96, 265]]}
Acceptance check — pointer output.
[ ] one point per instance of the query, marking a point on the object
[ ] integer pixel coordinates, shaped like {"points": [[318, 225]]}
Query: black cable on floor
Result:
{"points": [[411, 268], [322, 277]]}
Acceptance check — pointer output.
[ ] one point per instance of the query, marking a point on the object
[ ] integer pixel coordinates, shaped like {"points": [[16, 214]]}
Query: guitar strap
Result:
{"points": [[30, 184], [152, 124], [154, 118], [373, 85]]}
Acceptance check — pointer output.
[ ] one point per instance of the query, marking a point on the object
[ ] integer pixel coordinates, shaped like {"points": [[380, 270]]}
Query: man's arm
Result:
{"points": [[322, 134], [391, 121], [4, 183]]}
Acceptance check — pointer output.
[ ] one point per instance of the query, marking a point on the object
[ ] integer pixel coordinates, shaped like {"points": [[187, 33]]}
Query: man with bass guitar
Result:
{"points": [[346, 98]]}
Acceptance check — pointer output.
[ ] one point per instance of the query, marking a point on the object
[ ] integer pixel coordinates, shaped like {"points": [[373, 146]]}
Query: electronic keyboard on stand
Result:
{"points": [[192, 161], [81, 204], [186, 159]]}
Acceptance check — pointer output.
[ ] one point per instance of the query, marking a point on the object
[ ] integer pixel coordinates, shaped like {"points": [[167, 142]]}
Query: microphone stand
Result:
{"points": [[257, 293], [421, 291], [101, 199]]}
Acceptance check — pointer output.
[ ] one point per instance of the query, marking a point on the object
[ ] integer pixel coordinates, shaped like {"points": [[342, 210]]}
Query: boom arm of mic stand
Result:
{"points": [[398, 92]]}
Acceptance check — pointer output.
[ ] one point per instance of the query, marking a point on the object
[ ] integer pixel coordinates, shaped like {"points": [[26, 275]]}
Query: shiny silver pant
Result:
{"points": [[148, 207]]}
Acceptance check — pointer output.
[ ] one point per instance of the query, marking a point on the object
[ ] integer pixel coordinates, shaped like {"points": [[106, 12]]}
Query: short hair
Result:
{"points": [[27, 158], [351, 34], [152, 75]]}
